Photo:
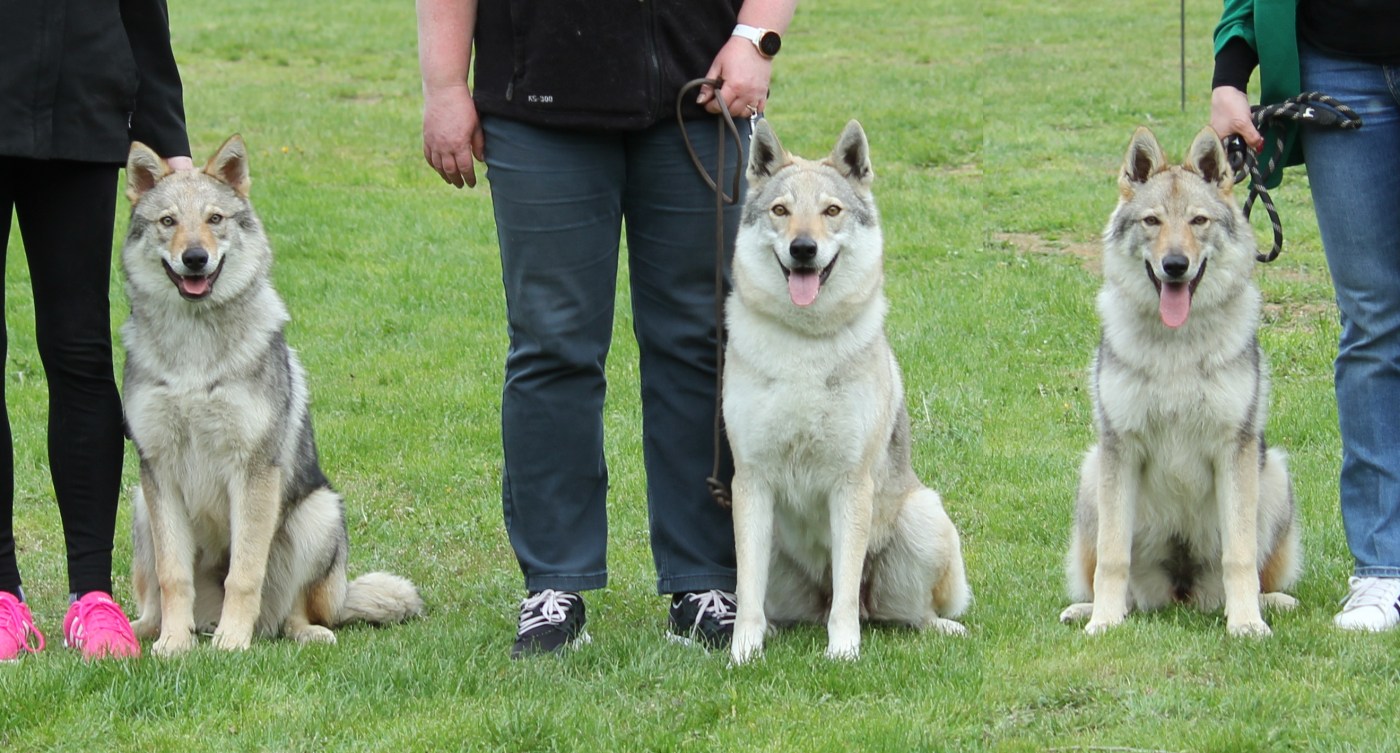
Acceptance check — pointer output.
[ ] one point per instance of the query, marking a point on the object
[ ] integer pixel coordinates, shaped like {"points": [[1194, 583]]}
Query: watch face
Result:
{"points": [[770, 43]]}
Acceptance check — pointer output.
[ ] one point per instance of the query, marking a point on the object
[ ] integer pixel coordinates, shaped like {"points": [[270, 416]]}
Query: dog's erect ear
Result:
{"points": [[851, 156], [1208, 159], [766, 154], [144, 169], [1145, 158], [230, 165]]}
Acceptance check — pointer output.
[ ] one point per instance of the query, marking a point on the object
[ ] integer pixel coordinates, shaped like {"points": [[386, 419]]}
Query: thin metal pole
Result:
{"points": [[1183, 55]]}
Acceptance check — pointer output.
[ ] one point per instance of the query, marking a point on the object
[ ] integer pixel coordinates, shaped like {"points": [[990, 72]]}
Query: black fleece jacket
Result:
{"points": [[81, 79], [595, 64]]}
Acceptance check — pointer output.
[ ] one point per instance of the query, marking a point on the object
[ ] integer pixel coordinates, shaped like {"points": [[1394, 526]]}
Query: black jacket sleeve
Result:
{"points": [[1234, 64], [158, 119]]}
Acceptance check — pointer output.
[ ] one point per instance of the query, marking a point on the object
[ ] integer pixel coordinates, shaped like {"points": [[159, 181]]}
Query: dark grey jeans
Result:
{"points": [[562, 199]]}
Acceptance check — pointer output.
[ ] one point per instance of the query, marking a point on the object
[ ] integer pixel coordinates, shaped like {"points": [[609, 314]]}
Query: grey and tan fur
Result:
{"points": [[830, 521], [235, 525], [1181, 500]]}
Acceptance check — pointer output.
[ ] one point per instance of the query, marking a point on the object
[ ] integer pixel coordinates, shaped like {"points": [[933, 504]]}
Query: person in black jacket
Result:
{"points": [[573, 114], [79, 81]]}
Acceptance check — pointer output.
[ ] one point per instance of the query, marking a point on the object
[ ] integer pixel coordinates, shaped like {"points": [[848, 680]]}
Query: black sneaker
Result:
{"points": [[706, 617], [549, 621]]}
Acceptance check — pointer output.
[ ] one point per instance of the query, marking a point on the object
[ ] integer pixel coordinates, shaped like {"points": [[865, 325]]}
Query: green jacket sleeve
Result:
{"points": [[1237, 20]]}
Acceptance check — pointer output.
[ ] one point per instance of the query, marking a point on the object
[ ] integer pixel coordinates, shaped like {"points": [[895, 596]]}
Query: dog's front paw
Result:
{"points": [[1101, 626], [745, 646], [173, 643], [232, 640], [1104, 616], [1278, 600], [1248, 628], [843, 650]]}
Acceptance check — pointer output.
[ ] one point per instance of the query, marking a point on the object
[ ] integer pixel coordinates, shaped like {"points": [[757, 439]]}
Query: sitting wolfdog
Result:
{"points": [[235, 525], [1181, 501], [830, 521]]}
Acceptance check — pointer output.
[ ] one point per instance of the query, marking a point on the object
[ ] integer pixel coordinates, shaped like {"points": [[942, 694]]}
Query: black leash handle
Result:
{"points": [[1304, 109], [719, 489]]}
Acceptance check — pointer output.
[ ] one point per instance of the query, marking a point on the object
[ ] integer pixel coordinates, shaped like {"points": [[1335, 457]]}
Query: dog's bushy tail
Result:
{"points": [[951, 595], [381, 599]]}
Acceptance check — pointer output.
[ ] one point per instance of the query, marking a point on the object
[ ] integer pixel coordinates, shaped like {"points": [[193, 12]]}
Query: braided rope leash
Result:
{"points": [[1309, 108]]}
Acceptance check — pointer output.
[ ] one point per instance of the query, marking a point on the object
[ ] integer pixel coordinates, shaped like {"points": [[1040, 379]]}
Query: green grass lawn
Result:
{"points": [[997, 129]]}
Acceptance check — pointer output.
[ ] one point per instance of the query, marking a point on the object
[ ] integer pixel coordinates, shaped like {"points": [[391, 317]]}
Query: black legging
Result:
{"points": [[65, 212]]}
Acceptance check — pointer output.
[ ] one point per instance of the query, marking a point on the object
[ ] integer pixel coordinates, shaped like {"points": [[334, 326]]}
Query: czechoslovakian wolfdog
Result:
{"points": [[1181, 500], [234, 525], [831, 523]]}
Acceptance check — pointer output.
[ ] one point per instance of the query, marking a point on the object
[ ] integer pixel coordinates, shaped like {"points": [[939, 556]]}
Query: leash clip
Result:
{"points": [[1235, 152]]}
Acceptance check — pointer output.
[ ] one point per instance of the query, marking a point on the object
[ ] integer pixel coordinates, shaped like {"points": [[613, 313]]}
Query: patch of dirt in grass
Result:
{"points": [[1296, 274], [1297, 317], [1030, 243]]}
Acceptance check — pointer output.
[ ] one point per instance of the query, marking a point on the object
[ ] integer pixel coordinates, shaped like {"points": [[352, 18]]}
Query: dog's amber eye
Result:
{"points": [[167, 221], [215, 219], [1199, 220], [1151, 221], [779, 210], [833, 210]]}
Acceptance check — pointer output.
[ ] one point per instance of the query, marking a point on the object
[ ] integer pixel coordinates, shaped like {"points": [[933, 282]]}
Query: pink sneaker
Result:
{"points": [[16, 627], [96, 625]]}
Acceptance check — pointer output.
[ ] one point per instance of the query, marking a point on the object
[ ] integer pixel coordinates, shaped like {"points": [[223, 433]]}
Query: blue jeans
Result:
{"points": [[1355, 177], [560, 200]]}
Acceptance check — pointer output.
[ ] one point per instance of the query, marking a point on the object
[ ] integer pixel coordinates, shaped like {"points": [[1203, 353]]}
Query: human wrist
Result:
{"points": [[764, 41], [453, 87]]}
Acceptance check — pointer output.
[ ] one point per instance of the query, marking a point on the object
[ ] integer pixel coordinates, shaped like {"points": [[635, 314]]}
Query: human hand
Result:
{"points": [[744, 74], [452, 134], [180, 163], [1229, 115]]}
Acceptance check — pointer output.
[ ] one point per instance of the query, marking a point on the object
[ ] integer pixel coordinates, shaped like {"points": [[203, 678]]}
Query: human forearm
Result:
{"points": [[445, 29], [768, 14], [452, 136]]}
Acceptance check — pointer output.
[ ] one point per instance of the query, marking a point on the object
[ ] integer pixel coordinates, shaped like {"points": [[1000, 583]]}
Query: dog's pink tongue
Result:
{"points": [[194, 286], [803, 286], [1174, 303]]}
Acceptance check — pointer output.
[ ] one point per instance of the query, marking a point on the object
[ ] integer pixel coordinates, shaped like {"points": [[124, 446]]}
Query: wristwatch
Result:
{"points": [[766, 40]]}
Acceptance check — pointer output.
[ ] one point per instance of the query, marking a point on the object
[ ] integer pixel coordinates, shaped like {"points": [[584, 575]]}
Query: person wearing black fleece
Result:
{"points": [[573, 111]]}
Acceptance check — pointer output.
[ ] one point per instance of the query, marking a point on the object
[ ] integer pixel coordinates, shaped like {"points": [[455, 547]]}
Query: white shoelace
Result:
{"points": [[715, 602], [548, 607], [1381, 593]]}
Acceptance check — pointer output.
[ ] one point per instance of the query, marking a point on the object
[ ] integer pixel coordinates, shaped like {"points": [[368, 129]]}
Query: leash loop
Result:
{"points": [[718, 488], [1309, 108]]}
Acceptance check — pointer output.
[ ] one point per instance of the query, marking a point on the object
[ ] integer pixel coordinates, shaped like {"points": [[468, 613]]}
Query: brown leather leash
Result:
{"points": [[719, 488]]}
